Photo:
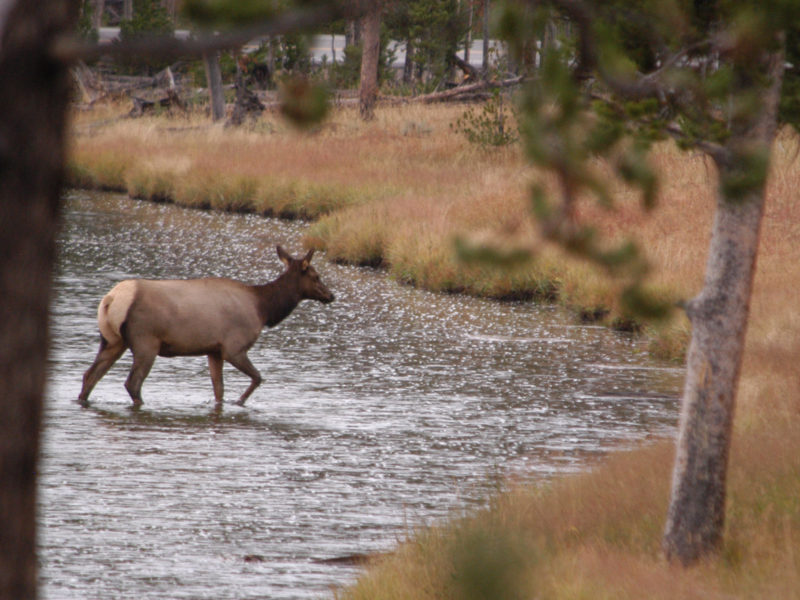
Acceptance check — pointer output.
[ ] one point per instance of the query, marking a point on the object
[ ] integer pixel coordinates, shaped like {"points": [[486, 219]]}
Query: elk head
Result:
{"points": [[310, 285]]}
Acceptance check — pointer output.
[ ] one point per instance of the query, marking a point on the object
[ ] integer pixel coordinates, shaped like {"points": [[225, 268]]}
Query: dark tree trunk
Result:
{"points": [[485, 65], [247, 103], [408, 65], [352, 33], [33, 101], [214, 79], [371, 33], [718, 315], [468, 39]]}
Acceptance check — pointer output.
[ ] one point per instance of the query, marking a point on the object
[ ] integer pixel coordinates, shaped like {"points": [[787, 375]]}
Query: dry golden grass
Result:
{"points": [[597, 535], [397, 191]]}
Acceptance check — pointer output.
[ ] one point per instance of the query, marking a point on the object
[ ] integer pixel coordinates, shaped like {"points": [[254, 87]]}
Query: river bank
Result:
{"points": [[395, 192]]}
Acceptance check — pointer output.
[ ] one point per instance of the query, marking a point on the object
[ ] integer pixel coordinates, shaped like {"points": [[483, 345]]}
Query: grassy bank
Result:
{"points": [[596, 536], [396, 192]]}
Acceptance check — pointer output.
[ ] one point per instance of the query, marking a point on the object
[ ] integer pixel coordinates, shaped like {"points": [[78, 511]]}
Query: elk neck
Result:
{"points": [[277, 299]]}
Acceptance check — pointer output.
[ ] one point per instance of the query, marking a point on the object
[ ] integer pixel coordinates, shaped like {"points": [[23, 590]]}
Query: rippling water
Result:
{"points": [[385, 410]]}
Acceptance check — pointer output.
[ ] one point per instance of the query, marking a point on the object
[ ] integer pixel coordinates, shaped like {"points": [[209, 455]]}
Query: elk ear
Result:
{"points": [[284, 256], [307, 259]]}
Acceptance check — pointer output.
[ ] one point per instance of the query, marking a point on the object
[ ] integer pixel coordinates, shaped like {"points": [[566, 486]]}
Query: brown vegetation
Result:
{"points": [[397, 191]]}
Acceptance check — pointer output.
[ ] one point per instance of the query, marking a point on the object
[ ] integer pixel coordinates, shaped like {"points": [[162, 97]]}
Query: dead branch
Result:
{"points": [[142, 106], [460, 92], [470, 72]]}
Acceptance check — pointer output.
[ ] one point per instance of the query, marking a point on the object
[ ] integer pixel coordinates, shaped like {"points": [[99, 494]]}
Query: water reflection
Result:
{"points": [[386, 409]]}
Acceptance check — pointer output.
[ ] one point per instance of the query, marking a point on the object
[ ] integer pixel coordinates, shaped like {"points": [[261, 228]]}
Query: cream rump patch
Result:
{"points": [[113, 310]]}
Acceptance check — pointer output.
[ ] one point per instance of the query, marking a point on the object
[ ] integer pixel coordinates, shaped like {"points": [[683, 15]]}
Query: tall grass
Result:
{"points": [[398, 192], [597, 535]]}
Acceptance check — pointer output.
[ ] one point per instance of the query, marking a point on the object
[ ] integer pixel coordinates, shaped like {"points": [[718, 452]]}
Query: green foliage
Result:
{"points": [[305, 104], [489, 563], [493, 125], [482, 254], [85, 29], [628, 73], [746, 175], [227, 13], [347, 74], [149, 19], [292, 54], [433, 27]]}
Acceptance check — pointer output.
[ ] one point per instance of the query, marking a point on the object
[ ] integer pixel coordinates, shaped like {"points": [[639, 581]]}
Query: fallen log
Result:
{"points": [[142, 106], [458, 93]]}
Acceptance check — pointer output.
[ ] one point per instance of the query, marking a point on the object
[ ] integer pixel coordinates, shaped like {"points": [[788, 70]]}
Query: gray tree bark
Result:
{"points": [[352, 32], [214, 79], [371, 35], [719, 315], [33, 102]]}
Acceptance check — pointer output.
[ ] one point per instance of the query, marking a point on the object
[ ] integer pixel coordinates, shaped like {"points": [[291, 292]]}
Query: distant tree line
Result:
{"points": [[431, 31]]}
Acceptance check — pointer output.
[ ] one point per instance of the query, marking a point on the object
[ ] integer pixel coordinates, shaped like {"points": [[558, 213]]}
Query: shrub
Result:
{"points": [[494, 124]]}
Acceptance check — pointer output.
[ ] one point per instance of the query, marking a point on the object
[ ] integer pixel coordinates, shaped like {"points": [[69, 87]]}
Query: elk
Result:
{"points": [[217, 317]]}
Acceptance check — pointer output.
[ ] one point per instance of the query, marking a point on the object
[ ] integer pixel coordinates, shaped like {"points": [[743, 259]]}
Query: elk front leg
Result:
{"points": [[215, 368], [241, 362]]}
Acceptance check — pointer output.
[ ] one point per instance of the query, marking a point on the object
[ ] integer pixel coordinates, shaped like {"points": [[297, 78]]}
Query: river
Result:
{"points": [[386, 410]]}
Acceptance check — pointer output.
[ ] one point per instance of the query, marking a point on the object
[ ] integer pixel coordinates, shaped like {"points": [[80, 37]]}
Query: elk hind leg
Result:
{"points": [[143, 359], [107, 355]]}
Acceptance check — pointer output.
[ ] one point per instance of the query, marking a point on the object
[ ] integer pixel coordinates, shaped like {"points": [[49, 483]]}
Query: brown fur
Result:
{"points": [[217, 317]]}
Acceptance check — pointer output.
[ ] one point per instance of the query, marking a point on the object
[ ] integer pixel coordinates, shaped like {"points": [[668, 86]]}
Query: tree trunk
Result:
{"points": [[247, 103], [170, 7], [718, 315], [408, 65], [214, 79], [468, 39], [371, 35], [485, 38], [127, 10], [33, 101], [352, 33], [97, 14]]}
